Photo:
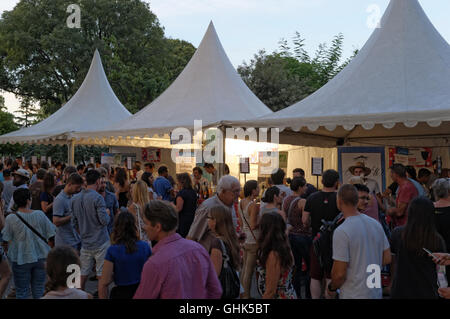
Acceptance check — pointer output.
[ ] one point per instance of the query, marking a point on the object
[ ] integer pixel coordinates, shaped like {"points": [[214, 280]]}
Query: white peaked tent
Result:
{"points": [[396, 88], [208, 89], [94, 106]]}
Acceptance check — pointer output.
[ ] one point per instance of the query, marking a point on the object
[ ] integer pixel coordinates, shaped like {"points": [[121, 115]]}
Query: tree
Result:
{"points": [[28, 113], [41, 58], [274, 79], [283, 78], [7, 125]]}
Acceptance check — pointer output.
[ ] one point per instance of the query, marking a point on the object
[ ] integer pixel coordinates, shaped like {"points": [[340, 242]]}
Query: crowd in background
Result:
{"points": [[141, 233]]}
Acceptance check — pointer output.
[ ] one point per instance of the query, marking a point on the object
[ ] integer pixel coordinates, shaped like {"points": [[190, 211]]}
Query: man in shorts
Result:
{"points": [[91, 218]]}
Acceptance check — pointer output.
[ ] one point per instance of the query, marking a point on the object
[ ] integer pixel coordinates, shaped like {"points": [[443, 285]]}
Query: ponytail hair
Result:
{"points": [[270, 193]]}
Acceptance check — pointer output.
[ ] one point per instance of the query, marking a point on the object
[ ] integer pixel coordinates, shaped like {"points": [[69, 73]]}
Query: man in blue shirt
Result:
{"points": [[62, 214], [162, 186], [112, 204], [91, 218], [412, 177], [2, 179]]}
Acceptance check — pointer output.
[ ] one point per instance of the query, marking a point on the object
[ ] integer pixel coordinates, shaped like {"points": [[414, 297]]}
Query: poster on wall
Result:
{"points": [[151, 155], [283, 162], [317, 166], [417, 157], [363, 165], [107, 158], [267, 162], [244, 165]]}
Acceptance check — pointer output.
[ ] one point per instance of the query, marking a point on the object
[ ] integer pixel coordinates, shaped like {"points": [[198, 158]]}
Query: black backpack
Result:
{"points": [[323, 242]]}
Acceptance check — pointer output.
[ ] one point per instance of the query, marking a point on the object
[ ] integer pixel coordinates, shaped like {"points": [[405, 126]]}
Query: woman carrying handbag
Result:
{"points": [[28, 232]]}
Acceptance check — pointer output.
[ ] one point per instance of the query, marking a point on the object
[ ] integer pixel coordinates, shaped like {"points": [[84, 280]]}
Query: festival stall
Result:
{"points": [[395, 94]]}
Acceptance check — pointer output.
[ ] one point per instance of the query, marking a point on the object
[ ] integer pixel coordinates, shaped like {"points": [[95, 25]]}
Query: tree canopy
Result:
{"points": [[289, 75], [41, 58]]}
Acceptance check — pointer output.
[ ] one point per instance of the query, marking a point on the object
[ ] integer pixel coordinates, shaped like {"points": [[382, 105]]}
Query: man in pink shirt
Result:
{"points": [[367, 203], [405, 194], [179, 268]]}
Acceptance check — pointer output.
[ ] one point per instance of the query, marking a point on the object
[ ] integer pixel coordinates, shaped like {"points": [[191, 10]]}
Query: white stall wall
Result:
{"points": [[300, 157], [166, 158]]}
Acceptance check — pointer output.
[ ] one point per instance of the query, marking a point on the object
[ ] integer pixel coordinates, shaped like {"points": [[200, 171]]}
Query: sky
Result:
{"points": [[247, 26]]}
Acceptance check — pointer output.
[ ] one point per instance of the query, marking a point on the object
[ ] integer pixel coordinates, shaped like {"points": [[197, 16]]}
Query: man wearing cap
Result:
{"points": [[21, 179]]}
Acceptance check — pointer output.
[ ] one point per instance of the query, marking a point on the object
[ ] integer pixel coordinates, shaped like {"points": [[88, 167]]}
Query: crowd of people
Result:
{"points": [[143, 237]]}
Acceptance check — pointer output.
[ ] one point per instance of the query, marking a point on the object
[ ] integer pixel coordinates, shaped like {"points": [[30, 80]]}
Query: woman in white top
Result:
{"points": [[139, 199], [58, 261], [27, 250], [250, 216]]}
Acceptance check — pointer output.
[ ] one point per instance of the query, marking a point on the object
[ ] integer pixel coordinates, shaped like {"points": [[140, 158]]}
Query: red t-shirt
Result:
{"points": [[406, 193]]}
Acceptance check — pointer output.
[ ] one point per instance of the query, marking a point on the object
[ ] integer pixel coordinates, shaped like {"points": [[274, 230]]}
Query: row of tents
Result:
{"points": [[396, 91]]}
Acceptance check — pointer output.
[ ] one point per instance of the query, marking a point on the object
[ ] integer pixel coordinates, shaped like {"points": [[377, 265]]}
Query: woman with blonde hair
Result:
{"points": [[139, 199]]}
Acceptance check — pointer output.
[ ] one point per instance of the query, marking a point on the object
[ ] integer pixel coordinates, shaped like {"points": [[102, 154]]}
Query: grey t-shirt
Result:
{"points": [[65, 234], [360, 241], [90, 217]]}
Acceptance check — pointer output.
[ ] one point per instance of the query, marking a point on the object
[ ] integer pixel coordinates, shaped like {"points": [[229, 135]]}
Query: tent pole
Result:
{"points": [[71, 153], [222, 146]]}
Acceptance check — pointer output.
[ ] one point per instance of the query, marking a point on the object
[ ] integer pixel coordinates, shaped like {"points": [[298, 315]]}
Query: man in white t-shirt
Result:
{"points": [[360, 250]]}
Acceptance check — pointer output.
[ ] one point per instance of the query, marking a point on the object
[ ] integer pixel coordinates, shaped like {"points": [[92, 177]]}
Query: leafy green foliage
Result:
{"points": [[7, 125], [28, 113], [58, 153], [43, 61], [41, 58], [283, 78]]}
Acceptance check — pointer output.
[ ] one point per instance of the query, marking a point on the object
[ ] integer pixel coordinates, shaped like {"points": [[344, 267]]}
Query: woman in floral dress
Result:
{"points": [[275, 260]]}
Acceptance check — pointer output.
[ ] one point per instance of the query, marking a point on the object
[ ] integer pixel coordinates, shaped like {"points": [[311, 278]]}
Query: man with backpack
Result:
{"points": [[321, 206], [360, 249]]}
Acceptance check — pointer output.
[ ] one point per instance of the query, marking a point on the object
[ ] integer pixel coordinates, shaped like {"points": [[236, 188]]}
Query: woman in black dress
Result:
{"points": [[122, 187], [441, 189], [186, 202], [415, 273]]}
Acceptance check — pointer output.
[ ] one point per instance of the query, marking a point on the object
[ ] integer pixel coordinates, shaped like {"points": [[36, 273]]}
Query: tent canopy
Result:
{"points": [[398, 86], [93, 106], [208, 89]]}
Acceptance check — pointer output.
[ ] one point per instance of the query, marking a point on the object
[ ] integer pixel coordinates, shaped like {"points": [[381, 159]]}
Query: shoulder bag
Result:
{"points": [[231, 286], [31, 228], [248, 225]]}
